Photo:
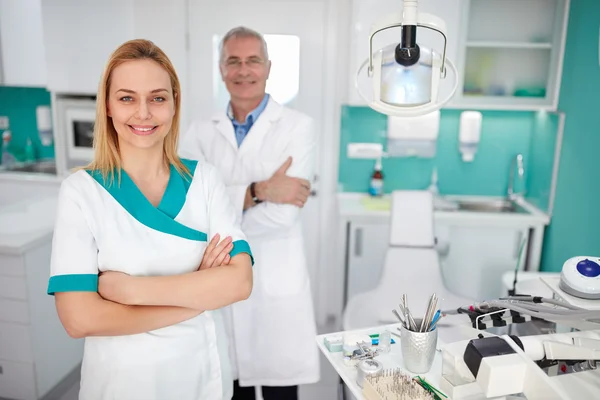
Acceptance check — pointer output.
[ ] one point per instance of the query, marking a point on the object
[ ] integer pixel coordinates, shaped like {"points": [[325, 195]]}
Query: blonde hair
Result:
{"points": [[107, 158]]}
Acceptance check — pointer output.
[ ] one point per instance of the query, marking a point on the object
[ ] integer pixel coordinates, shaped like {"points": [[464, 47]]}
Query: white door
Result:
{"points": [[367, 247], [295, 35]]}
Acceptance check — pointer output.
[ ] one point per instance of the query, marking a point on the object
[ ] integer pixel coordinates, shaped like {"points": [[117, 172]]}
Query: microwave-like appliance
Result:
{"points": [[80, 133], [74, 131]]}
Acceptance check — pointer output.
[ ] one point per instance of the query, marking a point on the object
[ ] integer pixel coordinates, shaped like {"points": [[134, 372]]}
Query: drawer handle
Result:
{"points": [[358, 242]]}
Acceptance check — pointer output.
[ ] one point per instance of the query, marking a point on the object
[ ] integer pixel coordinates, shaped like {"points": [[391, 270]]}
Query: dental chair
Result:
{"points": [[411, 267]]}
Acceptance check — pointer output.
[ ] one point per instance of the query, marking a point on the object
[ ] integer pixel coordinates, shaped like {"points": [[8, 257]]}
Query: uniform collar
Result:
{"points": [[253, 115]]}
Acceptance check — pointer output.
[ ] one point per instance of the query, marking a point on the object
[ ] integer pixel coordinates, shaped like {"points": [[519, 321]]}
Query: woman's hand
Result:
{"points": [[216, 254], [115, 286]]}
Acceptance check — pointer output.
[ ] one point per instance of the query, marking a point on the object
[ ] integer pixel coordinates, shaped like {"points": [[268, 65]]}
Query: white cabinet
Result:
{"points": [[36, 354], [365, 13], [512, 53], [472, 258], [22, 55], [508, 54], [80, 36], [365, 252]]}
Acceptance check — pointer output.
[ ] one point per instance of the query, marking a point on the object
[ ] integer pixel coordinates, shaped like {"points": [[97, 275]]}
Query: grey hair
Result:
{"points": [[242, 32]]}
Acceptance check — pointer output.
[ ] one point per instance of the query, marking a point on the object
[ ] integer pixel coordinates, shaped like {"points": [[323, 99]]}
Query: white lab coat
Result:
{"points": [[273, 334], [116, 228]]}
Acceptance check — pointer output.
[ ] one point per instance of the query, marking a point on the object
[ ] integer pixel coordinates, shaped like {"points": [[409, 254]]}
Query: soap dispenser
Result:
{"points": [[469, 134]]}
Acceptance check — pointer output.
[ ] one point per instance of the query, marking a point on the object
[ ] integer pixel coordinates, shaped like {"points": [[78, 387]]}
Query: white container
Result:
{"points": [[469, 134], [44, 124]]}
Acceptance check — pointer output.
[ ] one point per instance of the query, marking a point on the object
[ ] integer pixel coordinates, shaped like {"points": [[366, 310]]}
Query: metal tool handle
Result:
{"points": [[518, 245]]}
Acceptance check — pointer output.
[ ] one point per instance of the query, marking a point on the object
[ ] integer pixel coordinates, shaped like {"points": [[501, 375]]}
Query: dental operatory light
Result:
{"points": [[403, 79]]}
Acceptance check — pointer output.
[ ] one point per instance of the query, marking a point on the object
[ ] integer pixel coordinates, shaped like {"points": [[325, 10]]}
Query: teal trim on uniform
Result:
{"points": [[241, 246], [176, 191], [191, 165], [73, 283], [174, 197], [133, 200]]}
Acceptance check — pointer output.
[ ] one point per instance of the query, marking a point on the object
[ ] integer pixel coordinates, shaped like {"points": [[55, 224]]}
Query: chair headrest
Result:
{"points": [[412, 219]]}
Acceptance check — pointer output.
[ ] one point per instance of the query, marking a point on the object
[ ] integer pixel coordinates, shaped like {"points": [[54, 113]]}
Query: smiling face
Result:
{"points": [[245, 69], [141, 104]]}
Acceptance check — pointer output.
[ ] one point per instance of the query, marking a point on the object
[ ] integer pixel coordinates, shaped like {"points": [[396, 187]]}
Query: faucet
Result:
{"points": [[517, 162]]}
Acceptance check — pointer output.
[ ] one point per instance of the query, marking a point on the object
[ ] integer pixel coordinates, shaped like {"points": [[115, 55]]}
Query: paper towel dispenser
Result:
{"points": [[413, 136]]}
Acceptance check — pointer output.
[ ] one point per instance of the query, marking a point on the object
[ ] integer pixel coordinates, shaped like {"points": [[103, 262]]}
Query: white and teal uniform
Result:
{"points": [[103, 227]]}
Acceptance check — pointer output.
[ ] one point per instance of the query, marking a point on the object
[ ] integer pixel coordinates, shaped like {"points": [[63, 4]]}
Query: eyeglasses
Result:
{"points": [[236, 63]]}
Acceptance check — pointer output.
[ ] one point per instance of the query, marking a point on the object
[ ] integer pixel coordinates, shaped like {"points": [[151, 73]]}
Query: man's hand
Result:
{"points": [[216, 253], [283, 189], [115, 286]]}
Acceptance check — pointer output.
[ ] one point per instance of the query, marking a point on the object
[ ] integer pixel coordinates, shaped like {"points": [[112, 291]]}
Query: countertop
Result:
{"points": [[28, 210], [13, 176], [581, 385], [360, 206], [26, 224], [393, 359]]}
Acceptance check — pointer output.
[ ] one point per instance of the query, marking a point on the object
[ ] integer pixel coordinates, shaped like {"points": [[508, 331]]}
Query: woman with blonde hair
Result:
{"points": [[131, 268]]}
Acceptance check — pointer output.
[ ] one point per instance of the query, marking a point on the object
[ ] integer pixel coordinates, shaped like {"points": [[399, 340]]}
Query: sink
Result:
{"points": [[491, 206], [43, 167]]}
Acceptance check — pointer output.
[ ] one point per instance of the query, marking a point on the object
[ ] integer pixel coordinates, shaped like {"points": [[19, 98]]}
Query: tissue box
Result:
{"points": [[414, 136], [334, 343]]}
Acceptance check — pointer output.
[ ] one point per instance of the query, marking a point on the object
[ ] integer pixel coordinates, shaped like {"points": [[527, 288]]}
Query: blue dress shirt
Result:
{"points": [[242, 129]]}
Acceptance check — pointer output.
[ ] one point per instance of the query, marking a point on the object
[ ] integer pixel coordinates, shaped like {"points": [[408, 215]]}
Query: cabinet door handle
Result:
{"points": [[358, 242]]}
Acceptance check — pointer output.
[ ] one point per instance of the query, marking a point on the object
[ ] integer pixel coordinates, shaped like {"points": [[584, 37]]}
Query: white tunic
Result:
{"points": [[103, 227]]}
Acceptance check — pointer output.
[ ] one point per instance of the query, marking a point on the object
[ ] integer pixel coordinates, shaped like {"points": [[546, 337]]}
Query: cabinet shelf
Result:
{"points": [[508, 54], [509, 45], [512, 69]]}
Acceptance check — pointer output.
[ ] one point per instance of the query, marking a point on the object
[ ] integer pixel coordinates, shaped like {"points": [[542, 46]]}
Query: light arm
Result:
{"points": [[86, 314], [74, 281], [206, 289]]}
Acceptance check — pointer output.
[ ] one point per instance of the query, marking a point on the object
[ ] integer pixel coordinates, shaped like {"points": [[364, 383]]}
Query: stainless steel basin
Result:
{"points": [[491, 206], [40, 167]]}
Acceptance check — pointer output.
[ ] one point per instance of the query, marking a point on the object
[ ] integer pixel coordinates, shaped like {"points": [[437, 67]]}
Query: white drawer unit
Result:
{"points": [[14, 311], [17, 380], [36, 354], [15, 342], [11, 265], [13, 288]]}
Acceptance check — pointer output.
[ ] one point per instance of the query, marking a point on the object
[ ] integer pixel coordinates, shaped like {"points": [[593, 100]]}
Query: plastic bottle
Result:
{"points": [[29, 151], [7, 158], [44, 125], [376, 185], [433, 186], [385, 342]]}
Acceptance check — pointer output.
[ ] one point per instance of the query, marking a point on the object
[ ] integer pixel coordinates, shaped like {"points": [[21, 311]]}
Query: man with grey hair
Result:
{"points": [[266, 155]]}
